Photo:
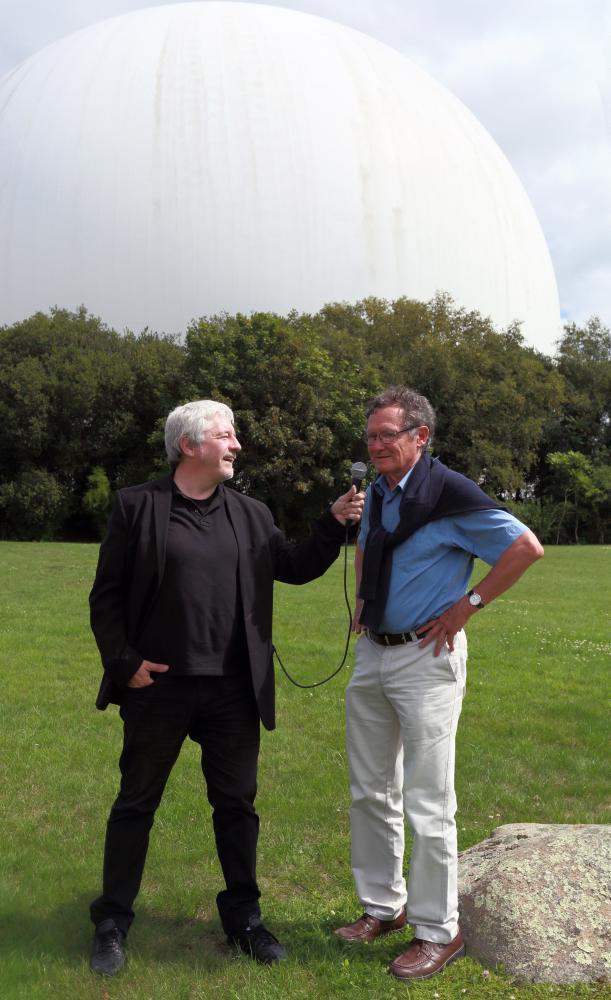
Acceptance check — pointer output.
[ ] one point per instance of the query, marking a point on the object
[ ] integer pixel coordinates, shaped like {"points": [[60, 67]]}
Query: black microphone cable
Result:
{"points": [[358, 472]]}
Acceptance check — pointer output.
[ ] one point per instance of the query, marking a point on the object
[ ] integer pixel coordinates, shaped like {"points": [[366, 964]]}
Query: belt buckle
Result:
{"points": [[414, 636]]}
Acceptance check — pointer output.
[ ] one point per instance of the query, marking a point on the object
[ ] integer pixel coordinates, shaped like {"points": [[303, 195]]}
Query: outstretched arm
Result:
{"points": [[309, 559]]}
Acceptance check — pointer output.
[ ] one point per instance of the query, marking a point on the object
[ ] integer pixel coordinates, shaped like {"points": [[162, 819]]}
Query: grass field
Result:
{"points": [[532, 747]]}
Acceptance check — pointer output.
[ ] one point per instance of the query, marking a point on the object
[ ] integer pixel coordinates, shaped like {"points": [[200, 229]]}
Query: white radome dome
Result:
{"points": [[203, 157]]}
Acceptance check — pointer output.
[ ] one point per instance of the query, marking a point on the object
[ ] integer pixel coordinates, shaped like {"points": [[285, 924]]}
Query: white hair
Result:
{"points": [[192, 421]]}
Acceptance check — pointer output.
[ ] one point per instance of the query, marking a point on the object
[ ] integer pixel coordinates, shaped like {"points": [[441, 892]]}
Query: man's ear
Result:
{"points": [[186, 447], [422, 437]]}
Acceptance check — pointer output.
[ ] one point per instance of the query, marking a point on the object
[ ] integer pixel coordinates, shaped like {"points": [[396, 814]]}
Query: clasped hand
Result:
{"points": [[349, 507]]}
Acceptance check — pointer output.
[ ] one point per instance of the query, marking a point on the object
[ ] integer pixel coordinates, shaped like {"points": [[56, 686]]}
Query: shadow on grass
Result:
{"points": [[201, 942], [65, 935], [62, 932]]}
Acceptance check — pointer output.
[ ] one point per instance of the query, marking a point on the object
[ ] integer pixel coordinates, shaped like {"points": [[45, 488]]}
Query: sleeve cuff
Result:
{"points": [[122, 669], [331, 525]]}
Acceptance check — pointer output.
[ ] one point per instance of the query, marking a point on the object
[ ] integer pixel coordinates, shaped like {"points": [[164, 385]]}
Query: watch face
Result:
{"points": [[475, 600]]}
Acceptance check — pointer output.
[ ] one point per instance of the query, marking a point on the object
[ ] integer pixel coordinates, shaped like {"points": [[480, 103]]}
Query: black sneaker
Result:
{"points": [[258, 943], [107, 954]]}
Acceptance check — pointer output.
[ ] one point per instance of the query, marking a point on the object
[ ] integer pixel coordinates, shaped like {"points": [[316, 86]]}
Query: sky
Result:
{"points": [[536, 73]]}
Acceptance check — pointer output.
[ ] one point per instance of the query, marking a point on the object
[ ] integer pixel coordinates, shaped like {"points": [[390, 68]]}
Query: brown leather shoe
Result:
{"points": [[368, 928], [424, 959]]}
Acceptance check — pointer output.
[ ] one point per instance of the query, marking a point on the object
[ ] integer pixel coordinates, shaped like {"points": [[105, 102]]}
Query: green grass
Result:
{"points": [[531, 748]]}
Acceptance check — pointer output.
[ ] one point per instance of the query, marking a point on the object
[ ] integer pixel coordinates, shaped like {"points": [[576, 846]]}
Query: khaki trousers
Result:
{"points": [[402, 711]]}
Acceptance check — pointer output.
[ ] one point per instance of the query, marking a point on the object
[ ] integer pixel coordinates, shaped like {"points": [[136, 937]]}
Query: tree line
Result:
{"points": [[82, 410]]}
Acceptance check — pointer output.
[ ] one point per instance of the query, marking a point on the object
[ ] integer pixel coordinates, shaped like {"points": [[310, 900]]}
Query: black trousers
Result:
{"points": [[220, 714]]}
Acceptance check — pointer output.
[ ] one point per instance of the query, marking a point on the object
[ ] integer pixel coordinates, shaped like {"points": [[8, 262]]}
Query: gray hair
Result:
{"points": [[416, 408], [192, 421]]}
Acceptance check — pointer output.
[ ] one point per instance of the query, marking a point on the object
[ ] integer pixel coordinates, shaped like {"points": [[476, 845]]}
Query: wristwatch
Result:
{"points": [[475, 600]]}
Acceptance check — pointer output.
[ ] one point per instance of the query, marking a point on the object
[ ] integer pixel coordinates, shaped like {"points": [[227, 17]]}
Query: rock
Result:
{"points": [[537, 899]]}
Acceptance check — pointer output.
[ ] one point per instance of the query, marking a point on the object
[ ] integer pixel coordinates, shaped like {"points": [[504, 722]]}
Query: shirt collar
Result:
{"points": [[383, 488], [214, 500]]}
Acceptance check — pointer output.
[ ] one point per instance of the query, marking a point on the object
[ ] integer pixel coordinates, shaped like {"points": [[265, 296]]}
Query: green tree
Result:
{"points": [[582, 428], [97, 498], [492, 394], [85, 408], [75, 395], [584, 485], [298, 412], [32, 506], [584, 360]]}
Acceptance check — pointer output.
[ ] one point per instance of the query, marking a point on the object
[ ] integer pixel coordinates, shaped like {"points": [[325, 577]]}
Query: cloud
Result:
{"points": [[538, 77]]}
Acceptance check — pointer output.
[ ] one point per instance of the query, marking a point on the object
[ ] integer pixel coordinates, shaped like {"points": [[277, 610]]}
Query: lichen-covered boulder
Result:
{"points": [[537, 899]]}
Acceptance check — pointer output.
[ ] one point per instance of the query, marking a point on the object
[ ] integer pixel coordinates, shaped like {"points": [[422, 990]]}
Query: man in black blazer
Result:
{"points": [[181, 610]]}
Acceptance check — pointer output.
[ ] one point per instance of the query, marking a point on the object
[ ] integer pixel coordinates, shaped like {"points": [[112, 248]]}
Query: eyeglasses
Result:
{"points": [[387, 437]]}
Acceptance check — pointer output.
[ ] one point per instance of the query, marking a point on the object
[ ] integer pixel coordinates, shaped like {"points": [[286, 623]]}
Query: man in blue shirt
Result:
{"points": [[422, 527]]}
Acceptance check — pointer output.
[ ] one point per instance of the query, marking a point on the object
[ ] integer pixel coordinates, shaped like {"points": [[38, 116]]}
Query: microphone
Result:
{"points": [[358, 473]]}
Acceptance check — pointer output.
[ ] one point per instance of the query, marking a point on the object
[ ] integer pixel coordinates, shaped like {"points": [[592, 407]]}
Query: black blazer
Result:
{"points": [[131, 566]]}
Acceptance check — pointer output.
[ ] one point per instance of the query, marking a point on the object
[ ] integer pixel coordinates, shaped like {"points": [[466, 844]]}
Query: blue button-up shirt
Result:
{"points": [[431, 570]]}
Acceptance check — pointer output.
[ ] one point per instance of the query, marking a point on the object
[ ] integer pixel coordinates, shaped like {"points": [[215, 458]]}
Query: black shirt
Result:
{"points": [[196, 624]]}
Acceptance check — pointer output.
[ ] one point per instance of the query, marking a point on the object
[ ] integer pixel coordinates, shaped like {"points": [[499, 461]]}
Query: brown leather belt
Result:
{"points": [[392, 639]]}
